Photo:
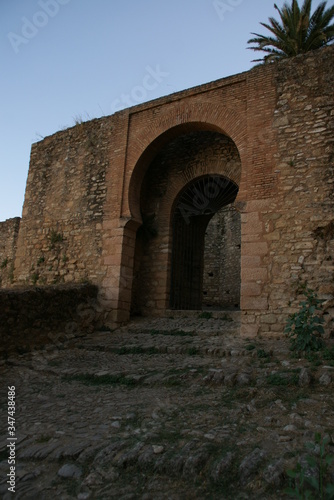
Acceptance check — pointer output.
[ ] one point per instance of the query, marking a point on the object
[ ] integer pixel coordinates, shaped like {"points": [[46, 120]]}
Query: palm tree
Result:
{"points": [[297, 33]]}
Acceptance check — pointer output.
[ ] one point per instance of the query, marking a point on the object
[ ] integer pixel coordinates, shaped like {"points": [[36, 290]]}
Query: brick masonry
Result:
{"points": [[270, 130]]}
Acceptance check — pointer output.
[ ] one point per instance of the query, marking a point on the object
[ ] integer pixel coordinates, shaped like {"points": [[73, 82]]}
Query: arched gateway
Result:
{"points": [[190, 180]]}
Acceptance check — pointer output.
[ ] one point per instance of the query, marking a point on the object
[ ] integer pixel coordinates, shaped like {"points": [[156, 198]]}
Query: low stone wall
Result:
{"points": [[33, 317]]}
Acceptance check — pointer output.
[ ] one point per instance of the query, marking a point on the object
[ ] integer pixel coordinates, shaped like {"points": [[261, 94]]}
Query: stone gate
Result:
{"points": [[220, 196]]}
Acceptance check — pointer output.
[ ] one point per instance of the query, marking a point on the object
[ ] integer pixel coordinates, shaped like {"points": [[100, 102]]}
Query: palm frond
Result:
{"points": [[296, 32]]}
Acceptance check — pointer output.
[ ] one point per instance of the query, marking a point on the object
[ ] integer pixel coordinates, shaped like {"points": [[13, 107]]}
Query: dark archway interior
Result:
{"points": [[182, 194], [198, 202]]}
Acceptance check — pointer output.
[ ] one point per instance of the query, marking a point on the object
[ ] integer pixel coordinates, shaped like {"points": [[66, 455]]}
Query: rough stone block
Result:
{"points": [[254, 303], [254, 249], [269, 319], [254, 274], [249, 330], [250, 289]]}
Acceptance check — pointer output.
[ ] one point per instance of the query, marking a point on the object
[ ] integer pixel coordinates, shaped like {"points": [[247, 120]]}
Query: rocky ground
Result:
{"points": [[178, 408]]}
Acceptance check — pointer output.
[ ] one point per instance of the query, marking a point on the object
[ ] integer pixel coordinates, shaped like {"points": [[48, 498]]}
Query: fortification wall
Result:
{"points": [[61, 233], [292, 231], [85, 185]]}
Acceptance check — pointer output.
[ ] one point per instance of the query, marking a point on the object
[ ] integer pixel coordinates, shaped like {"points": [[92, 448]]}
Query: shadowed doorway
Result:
{"points": [[195, 206]]}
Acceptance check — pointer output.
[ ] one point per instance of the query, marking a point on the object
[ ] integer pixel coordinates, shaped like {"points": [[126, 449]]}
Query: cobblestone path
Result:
{"points": [[162, 409]]}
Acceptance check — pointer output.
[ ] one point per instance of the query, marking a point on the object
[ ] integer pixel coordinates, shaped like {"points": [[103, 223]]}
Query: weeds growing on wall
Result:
{"points": [[11, 273], [40, 260], [205, 315], [304, 328], [55, 238], [4, 263], [35, 278]]}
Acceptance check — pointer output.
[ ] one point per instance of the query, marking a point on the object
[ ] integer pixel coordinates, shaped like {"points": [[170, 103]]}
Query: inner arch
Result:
{"points": [[195, 205]]}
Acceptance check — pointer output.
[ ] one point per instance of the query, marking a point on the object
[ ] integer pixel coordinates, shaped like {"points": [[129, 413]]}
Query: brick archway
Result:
{"points": [[144, 144], [193, 155]]}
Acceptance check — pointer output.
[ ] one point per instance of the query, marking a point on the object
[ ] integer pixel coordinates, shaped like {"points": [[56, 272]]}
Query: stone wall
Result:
{"points": [[32, 317], [301, 229], [61, 234], [291, 233], [9, 231], [221, 277]]}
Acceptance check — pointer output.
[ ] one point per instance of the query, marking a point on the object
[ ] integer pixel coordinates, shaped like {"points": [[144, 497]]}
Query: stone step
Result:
{"points": [[203, 324], [233, 314]]}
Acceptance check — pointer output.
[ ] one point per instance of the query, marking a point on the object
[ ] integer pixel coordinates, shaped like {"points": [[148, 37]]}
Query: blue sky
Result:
{"points": [[68, 60]]}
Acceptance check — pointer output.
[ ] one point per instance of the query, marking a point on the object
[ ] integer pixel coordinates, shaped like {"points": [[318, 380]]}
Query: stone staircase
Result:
{"points": [[166, 408]]}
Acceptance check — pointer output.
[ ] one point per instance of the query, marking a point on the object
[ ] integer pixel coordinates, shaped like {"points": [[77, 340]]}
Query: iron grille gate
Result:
{"points": [[195, 206]]}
